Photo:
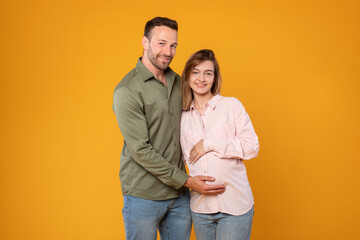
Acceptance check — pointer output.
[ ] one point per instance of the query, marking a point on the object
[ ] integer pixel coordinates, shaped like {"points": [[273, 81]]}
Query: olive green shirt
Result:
{"points": [[148, 114]]}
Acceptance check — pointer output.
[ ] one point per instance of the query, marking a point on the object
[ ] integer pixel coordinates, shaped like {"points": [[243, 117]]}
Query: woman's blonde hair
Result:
{"points": [[195, 59]]}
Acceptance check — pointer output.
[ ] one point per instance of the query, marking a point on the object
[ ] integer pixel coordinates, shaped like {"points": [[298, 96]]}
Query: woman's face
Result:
{"points": [[202, 78]]}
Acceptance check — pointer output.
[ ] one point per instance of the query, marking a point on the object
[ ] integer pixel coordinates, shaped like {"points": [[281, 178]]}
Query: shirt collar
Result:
{"points": [[147, 75], [212, 103]]}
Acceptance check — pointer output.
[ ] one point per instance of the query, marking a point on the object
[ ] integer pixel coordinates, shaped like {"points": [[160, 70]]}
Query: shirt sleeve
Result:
{"points": [[132, 124], [244, 145]]}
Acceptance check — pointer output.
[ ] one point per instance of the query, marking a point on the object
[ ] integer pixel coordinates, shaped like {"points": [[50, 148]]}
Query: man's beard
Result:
{"points": [[159, 65]]}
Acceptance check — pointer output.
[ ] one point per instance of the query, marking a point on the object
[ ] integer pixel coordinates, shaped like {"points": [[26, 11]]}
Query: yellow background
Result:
{"points": [[293, 64]]}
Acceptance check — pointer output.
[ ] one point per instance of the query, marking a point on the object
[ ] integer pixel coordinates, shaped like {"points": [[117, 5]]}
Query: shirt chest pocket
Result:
{"points": [[222, 130]]}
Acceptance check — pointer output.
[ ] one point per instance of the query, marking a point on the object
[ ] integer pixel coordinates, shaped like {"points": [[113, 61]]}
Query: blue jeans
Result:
{"points": [[222, 226], [143, 217]]}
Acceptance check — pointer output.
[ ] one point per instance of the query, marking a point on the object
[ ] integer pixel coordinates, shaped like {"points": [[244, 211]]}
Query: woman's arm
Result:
{"points": [[244, 145]]}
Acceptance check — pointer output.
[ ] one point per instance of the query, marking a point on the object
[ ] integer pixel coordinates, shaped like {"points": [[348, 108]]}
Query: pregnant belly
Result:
{"points": [[223, 170]]}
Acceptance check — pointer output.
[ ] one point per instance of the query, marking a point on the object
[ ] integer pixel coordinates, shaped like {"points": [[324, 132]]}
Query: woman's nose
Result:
{"points": [[202, 77]]}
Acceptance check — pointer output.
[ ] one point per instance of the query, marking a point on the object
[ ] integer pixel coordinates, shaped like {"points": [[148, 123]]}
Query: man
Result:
{"points": [[147, 105]]}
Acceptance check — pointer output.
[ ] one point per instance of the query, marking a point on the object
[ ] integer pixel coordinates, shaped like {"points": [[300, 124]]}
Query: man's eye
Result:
{"points": [[195, 72], [162, 44], [173, 46]]}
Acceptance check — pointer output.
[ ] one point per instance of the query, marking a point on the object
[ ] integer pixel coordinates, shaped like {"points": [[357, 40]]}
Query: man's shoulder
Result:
{"points": [[129, 80], [172, 72], [177, 76]]}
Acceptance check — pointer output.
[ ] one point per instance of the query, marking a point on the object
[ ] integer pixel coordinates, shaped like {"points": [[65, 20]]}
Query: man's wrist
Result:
{"points": [[188, 182]]}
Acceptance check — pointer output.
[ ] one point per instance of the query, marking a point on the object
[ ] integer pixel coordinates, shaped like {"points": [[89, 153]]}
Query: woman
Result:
{"points": [[216, 136]]}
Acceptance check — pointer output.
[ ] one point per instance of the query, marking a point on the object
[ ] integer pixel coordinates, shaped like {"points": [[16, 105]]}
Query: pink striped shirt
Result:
{"points": [[229, 137]]}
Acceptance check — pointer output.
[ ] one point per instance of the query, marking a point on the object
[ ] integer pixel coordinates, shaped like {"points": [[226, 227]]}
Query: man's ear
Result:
{"points": [[145, 42]]}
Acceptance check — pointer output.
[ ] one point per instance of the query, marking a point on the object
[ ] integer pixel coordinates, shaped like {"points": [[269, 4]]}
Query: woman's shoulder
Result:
{"points": [[185, 115], [185, 112], [233, 101]]}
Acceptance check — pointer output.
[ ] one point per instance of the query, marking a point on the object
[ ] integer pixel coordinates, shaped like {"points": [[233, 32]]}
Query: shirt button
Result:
{"points": [[204, 171]]}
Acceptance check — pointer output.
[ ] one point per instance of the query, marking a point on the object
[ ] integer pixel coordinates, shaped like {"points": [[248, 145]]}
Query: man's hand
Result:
{"points": [[198, 184], [196, 152]]}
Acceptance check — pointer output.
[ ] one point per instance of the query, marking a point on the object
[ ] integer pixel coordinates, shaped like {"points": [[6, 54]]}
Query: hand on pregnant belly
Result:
{"points": [[196, 152]]}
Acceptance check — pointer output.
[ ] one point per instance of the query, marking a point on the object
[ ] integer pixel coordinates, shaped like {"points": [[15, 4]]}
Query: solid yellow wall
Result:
{"points": [[293, 64]]}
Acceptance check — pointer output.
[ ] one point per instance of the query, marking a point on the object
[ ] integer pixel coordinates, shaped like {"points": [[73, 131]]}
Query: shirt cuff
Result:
{"points": [[179, 179]]}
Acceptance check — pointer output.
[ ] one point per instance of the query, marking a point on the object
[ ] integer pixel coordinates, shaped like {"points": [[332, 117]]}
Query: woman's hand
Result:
{"points": [[196, 152]]}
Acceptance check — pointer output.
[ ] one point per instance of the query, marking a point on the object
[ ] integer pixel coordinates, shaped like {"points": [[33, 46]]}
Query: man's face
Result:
{"points": [[161, 46]]}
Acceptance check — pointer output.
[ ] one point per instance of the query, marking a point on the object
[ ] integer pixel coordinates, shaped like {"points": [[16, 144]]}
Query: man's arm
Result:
{"points": [[128, 109]]}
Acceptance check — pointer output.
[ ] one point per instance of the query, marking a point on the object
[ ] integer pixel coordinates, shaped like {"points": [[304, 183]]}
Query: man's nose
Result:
{"points": [[167, 50]]}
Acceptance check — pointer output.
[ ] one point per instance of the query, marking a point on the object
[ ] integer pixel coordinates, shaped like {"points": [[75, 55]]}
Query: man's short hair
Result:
{"points": [[159, 21]]}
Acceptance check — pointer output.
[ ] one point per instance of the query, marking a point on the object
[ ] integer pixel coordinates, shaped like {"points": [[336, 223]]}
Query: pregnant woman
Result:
{"points": [[216, 136]]}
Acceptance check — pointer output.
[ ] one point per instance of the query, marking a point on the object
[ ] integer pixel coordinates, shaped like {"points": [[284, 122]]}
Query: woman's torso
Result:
{"points": [[219, 122]]}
